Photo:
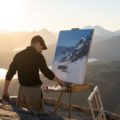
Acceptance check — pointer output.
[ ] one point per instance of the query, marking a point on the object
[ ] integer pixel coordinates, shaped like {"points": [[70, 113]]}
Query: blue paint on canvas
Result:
{"points": [[69, 40]]}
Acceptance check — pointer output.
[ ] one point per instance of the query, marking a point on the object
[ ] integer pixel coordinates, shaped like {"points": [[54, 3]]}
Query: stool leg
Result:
{"points": [[58, 102]]}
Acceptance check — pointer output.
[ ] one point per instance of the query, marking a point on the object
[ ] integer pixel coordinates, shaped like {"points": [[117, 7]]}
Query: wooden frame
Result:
{"points": [[96, 99]]}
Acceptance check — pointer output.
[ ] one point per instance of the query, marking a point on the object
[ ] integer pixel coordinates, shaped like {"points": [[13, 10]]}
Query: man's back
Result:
{"points": [[28, 63]]}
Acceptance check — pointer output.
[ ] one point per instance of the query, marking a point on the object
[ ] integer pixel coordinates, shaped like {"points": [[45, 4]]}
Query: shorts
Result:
{"points": [[31, 98]]}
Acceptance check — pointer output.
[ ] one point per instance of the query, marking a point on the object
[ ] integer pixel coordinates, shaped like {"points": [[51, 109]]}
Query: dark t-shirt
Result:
{"points": [[28, 63]]}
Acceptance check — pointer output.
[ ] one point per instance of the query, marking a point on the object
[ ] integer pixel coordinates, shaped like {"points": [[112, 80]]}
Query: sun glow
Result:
{"points": [[30, 15], [10, 11]]}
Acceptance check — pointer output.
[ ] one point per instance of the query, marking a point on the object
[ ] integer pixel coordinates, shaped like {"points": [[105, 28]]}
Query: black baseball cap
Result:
{"points": [[39, 39]]}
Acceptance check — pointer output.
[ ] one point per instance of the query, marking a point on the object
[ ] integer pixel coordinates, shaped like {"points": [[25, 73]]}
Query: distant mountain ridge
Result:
{"points": [[16, 41], [100, 31], [107, 50], [105, 44], [21, 39]]}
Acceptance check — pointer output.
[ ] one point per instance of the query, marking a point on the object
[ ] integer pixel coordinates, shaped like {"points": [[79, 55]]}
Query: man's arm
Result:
{"points": [[5, 90], [47, 72], [44, 68], [9, 76]]}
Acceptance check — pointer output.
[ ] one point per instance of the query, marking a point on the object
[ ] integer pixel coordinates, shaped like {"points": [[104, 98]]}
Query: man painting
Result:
{"points": [[27, 64]]}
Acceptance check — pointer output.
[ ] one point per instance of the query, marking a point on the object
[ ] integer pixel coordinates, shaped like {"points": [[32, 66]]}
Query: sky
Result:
{"points": [[73, 37], [55, 15]]}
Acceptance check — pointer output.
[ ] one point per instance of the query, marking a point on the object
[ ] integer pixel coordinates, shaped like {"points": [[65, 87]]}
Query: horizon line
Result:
{"points": [[36, 30]]}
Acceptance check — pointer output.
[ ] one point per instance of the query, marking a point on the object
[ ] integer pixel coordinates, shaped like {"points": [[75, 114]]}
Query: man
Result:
{"points": [[27, 63]]}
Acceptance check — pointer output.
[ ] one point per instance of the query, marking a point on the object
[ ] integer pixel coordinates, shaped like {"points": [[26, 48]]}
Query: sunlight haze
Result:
{"points": [[21, 20], [30, 15]]}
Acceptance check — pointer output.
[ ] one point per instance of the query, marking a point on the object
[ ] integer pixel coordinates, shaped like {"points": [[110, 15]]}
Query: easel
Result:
{"points": [[70, 89], [81, 45]]}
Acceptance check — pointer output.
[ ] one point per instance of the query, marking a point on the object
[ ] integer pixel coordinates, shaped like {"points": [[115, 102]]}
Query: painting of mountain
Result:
{"points": [[71, 55]]}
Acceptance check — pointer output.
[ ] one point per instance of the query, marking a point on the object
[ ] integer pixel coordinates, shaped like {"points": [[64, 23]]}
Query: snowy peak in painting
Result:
{"points": [[78, 51]]}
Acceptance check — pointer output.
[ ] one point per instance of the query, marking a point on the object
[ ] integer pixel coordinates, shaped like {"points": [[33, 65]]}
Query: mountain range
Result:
{"points": [[104, 33], [105, 44], [21, 39]]}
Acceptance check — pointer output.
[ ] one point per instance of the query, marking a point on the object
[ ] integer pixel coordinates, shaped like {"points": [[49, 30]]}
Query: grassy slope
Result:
{"points": [[107, 77]]}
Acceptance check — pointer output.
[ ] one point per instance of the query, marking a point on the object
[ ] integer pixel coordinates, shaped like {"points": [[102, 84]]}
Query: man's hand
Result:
{"points": [[5, 94], [5, 98], [60, 82], [45, 89]]}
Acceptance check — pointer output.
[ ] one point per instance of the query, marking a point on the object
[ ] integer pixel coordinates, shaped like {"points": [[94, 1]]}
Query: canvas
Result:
{"points": [[70, 61]]}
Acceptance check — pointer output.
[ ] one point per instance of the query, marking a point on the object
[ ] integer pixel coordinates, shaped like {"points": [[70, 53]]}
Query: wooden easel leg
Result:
{"points": [[70, 107], [58, 102]]}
